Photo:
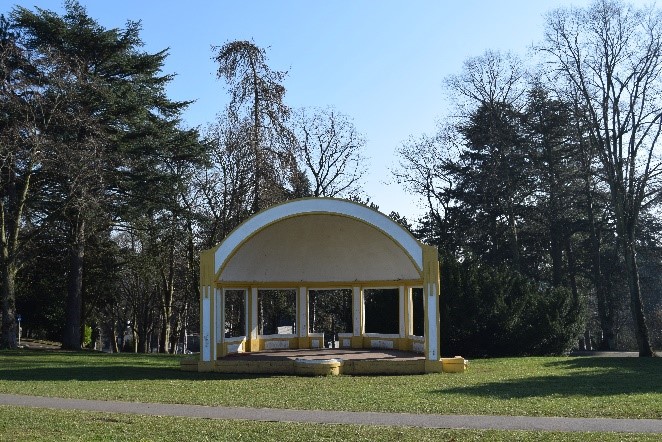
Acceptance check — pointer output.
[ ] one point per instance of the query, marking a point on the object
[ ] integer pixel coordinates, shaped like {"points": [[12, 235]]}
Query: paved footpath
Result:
{"points": [[343, 417]]}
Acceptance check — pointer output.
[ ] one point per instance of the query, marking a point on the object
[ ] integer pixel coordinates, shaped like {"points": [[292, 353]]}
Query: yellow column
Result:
{"points": [[402, 318], [253, 343], [207, 310]]}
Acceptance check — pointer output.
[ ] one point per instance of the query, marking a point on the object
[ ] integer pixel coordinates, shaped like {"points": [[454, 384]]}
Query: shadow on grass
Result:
{"points": [[46, 365], [589, 377]]}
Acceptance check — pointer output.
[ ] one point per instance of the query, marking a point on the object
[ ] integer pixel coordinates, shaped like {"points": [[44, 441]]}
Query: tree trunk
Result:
{"points": [[72, 328], [164, 337], [9, 330], [11, 220], [113, 344], [606, 308], [136, 338], [557, 234], [556, 252], [168, 292], [257, 177], [166, 311], [636, 305]]}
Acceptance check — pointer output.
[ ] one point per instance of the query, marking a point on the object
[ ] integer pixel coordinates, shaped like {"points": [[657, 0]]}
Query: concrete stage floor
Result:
{"points": [[326, 353], [327, 361]]}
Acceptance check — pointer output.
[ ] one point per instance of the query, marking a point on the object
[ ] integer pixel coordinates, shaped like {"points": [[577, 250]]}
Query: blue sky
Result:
{"points": [[382, 62]]}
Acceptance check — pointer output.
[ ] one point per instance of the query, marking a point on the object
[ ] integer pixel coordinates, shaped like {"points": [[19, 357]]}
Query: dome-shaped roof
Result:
{"points": [[318, 240]]}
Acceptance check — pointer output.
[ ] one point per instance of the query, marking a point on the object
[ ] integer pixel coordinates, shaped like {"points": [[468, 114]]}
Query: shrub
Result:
{"points": [[488, 311], [87, 336]]}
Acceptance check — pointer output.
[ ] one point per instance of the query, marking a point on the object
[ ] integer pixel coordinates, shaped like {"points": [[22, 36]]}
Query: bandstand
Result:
{"points": [[319, 244]]}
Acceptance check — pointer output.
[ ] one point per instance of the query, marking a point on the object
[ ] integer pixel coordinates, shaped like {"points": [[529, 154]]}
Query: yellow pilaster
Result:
{"points": [[207, 307], [252, 341]]}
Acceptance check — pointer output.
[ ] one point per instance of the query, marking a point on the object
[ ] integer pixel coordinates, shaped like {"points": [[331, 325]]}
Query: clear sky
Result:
{"points": [[382, 62]]}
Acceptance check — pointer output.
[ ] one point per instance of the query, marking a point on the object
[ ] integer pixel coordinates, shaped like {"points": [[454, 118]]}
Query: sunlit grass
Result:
{"points": [[21, 424], [574, 387]]}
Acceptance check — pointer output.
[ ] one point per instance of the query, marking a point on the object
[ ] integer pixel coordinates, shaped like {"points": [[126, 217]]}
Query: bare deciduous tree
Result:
{"points": [[223, 193], [489, 79], [331, 149], [610, 56]]}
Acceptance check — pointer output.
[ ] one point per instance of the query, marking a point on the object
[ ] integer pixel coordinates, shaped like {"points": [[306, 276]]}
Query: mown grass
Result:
{"points": [[21, 424], [565, 386]]}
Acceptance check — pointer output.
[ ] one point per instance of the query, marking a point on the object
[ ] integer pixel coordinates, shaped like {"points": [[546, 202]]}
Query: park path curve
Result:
{"points": [[344, 417]]}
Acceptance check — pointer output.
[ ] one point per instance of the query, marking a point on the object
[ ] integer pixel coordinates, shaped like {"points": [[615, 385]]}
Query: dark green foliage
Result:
{"points": [[382, 309], [235, 313], [276, 308], [87, 336], [112, 154], [330, 311], [487, 311]]}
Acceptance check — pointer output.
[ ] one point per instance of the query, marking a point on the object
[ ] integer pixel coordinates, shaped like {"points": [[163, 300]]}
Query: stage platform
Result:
{"points": [[320, 362]]}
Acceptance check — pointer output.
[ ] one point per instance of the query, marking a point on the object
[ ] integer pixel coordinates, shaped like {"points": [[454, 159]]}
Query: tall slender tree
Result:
{"points": [[257, 103], [26, 113]]}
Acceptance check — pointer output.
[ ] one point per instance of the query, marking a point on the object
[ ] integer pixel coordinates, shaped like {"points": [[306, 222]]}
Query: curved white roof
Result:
{"points": [[282, 242]]}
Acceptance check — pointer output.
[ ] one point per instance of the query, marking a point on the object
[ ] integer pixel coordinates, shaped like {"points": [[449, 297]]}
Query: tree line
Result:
{"points": [[107, 199], [551, 171], [541, 190]]}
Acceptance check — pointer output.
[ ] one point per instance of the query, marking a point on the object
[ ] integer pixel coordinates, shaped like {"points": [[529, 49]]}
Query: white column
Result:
{"points": [[431, 334], [357, 309], [302, 308], [219, 297], [253, 315], [206, 318], [410, 311]]}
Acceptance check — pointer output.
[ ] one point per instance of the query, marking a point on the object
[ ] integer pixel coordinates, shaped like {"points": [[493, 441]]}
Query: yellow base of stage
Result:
{"points": [[327, 366]]}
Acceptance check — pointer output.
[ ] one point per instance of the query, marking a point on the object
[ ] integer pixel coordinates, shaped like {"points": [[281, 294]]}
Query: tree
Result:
{"points": [[601, 242], [489, 93], [113, 105], [494, 311], [489, 79], [331, 150], [26, 112], [493, 183], [224, 191], [609, 56], [257, 103], [491, 176], [421, 171]]}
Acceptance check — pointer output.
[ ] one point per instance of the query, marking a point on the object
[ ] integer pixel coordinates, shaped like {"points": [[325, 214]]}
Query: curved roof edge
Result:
{"points": [[318, 205]]}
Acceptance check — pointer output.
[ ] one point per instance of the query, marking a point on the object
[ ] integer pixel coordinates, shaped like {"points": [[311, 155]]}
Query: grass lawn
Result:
{"points": [[577, 387], [574, 387], [21, 424]]}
